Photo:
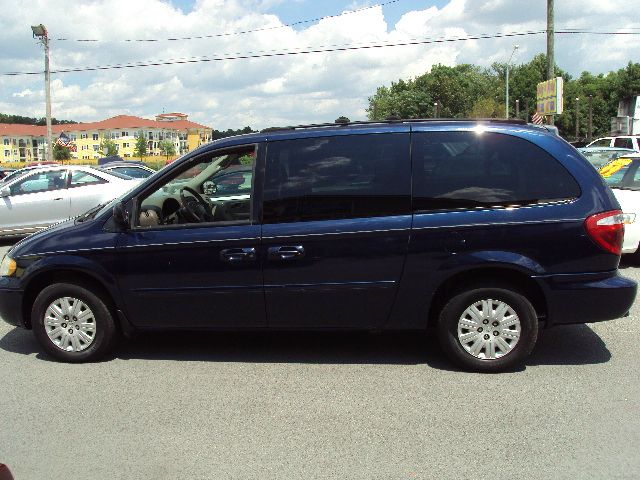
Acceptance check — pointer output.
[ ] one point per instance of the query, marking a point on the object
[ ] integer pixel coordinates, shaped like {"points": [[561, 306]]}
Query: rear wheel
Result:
{"points": [[73, 324], [488, 329]]}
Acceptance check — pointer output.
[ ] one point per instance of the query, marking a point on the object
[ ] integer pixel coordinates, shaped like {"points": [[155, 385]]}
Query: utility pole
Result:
{"points": [[550, 38], [40, 32], [517, 108], [526, 110], [577, 118], [590, 124], [436, 107]]}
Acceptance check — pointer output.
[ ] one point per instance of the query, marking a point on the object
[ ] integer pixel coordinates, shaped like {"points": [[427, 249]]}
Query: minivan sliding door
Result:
{"points": [[336, 222]]}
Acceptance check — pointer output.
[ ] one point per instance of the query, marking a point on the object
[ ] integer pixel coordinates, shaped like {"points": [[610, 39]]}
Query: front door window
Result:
{"points": [[40, 182], [213, 189]]}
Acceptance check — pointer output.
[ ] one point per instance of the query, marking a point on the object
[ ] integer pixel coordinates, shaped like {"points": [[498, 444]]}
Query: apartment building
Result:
{"points": [[26, 143], [21, 142]]}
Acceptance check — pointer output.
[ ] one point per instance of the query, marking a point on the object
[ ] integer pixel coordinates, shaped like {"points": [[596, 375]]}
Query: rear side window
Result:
{"points": [[462, 170], [80, 178], [337, 177], [623, 143]]}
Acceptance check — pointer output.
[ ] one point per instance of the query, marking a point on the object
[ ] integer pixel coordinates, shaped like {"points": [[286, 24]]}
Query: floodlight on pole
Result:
{"points": [[40, 32], [506, 103]]}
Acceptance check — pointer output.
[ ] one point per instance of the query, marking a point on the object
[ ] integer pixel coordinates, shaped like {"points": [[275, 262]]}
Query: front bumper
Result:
{"points": [[585, 298], [11, 301]]}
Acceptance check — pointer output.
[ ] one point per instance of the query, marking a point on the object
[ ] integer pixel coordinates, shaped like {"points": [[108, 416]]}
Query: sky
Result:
{"points": [[279, 89]]}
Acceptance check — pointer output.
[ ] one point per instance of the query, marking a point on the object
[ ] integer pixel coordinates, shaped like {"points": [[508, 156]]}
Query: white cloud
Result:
{"points": [[281, 89], [27, 92]]}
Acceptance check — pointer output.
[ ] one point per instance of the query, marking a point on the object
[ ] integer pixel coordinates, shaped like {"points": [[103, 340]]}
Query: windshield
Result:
{"points": [[622, 173], [615, 179], [599, 158], [115, 174]]}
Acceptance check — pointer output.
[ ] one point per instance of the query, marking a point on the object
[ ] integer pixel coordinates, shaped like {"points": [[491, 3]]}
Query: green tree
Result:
{"points": [[61, 153], [469, 91], [167, 148], [523, 82], [108, 147], [140, 149], [216, 134], [456, 89], [487, 107], [627, 83]]}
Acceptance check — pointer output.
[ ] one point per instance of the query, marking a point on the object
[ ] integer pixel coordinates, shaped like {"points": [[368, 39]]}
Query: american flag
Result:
{"points": [[66, 142], [63, 140], [537, 119]]}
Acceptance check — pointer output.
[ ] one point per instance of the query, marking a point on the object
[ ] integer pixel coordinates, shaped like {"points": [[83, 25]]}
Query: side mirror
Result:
{"points": [[121, 216], [5, 192]]}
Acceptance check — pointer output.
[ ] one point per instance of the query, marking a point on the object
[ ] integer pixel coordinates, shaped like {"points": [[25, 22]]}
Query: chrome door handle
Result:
{"points": [[236, 255], [292, 252], [57, 199]]}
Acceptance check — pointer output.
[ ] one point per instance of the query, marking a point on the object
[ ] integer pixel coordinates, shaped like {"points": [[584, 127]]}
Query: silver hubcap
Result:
{"points": [[489, 329], [70, 324]]}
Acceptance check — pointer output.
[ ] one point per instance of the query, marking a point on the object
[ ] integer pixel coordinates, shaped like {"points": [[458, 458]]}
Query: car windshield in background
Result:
{"points": [[600, 157], [615, 179], [117, 174], [622, 173]]}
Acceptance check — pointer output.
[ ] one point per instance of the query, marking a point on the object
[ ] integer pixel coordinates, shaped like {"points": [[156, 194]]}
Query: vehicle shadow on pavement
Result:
{"points": [[564, 345], [629, 261], [287, 347], [569, 345]]}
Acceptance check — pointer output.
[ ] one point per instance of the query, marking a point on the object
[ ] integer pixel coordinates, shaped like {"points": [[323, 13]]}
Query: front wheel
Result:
{"points": [[72, 324], [488, 329]]}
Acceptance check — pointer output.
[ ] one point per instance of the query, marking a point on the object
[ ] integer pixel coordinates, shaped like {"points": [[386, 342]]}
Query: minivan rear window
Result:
{"points": [[462, 170]]}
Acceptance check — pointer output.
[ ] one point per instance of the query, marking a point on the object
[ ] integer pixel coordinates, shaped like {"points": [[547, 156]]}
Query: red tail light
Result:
{"points": [[607, 230]]}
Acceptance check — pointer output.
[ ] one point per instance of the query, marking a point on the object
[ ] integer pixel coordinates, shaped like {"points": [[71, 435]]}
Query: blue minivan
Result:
{"points": [[482, 232]]}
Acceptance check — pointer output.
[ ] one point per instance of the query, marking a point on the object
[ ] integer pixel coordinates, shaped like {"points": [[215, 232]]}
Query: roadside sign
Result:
{"points": [[549, 97]]}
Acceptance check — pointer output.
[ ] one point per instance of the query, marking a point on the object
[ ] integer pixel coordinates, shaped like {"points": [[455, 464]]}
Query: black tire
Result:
{"points": [[456, 307], [106, 332]]}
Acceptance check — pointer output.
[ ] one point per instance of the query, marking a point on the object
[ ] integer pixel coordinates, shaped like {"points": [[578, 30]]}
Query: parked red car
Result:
{"points": [[37, 164]]}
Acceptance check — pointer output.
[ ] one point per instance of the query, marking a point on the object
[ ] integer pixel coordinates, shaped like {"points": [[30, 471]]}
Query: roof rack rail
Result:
{"points": [[391, 120]]}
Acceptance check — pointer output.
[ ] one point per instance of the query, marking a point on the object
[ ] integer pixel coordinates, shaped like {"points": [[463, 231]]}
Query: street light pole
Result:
{"points": [[506, 103], [590, 124], [550, 46], [40, 32], [577, 118]]}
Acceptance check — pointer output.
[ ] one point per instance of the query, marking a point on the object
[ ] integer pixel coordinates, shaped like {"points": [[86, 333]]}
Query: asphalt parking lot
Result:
{"points": [[199, 406]]}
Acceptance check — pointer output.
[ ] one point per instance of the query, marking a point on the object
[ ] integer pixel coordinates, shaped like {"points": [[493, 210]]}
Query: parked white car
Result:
{"points": [[51, 194], [623, 176], [622, 141]]}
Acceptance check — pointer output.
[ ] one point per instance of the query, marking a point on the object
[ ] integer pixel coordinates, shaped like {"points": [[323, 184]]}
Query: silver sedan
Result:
{"points": [[47, 195]]}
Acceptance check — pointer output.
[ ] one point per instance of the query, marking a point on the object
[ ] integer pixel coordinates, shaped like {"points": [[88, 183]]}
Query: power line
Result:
{"points": [[229, 34], [309, 50], [232, 54], [591, 32], [346, 47]]}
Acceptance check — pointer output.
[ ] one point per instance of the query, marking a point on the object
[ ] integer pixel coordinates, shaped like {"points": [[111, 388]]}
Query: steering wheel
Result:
{"points": [[196, 208]]}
